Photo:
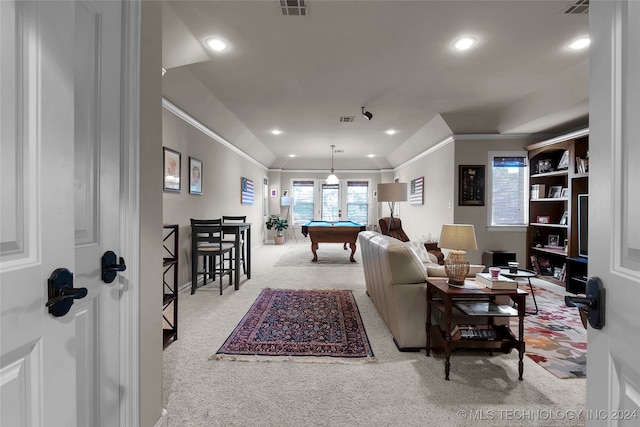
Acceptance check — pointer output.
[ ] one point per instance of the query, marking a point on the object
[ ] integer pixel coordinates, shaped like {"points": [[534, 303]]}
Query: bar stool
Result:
{"points": [[207, 242], [226, 219]]}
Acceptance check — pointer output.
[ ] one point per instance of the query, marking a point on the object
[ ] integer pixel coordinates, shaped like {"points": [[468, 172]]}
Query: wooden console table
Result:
{"points": [[443, 298]]}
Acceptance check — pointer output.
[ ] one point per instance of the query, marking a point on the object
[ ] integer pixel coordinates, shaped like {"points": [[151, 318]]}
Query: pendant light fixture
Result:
{"points": [[332, 179]]}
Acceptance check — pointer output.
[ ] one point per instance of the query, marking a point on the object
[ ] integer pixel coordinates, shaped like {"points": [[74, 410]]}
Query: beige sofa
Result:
{"points": [[395, 278]]}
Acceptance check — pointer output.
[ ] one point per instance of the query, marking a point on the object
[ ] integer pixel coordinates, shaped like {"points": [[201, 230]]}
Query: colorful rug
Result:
{"points": [[300, 325], [555, 337]]}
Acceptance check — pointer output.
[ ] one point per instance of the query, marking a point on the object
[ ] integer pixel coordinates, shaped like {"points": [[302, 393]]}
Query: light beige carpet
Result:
{"points": [[401, 389], [329, 255]]}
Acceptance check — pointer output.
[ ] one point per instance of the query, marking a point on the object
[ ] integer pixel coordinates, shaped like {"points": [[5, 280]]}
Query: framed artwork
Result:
{"points": [[171, 170], [195, 176], [564, 193], [471, 185], [542, 219], [246, 191], [555, 192], [565, 218], [285, 193], [274, 192], [416, 191], [554, 240]]}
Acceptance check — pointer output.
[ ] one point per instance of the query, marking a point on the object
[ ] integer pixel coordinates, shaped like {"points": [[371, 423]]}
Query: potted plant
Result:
{"points": [[278, 224]]}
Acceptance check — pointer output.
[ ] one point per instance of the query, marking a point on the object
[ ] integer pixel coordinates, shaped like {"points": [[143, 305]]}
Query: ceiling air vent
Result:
{"points": [[346, 119], [293, 7], [579, 7]]}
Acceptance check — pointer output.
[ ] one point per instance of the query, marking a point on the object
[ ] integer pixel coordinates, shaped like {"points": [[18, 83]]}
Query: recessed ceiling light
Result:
{"points": [[292, 155], [580, 43], [464, 43], [371, 155], [217, 44], [164, 71], [390, 132], [276, 131]]}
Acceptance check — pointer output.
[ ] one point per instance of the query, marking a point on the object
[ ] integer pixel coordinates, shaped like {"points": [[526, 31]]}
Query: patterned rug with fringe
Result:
{"points": [[300, 325], [555, 337]]}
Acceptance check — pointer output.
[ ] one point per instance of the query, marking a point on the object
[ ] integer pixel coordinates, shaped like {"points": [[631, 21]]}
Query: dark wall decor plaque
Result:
{"points": [[471, 185]]}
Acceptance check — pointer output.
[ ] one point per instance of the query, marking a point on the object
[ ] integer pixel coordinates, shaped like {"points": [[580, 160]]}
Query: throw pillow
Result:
{"points": [[419, 249]]}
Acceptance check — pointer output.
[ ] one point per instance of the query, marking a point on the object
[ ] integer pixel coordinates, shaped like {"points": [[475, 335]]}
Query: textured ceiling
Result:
{"points": [[300, 74]]}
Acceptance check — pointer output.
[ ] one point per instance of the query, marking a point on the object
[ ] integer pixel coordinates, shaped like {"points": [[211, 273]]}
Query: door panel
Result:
{"points": [[613, 375], [60, 140]]}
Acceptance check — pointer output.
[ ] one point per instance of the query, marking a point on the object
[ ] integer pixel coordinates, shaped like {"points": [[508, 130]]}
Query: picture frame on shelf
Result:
{"points": [[195, 176], [557, 273], [564, 160], [565, 218], [543, 219], [564, 193], [554, 240], [171, 170], [471, 185], [555, 191]]}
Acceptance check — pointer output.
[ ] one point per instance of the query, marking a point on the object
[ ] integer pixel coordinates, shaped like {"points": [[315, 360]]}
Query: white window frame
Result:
{"points": [[317, 191], [490, 226]]}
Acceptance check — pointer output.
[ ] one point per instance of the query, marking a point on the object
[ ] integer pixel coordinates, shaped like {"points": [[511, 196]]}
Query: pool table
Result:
{"points": [[332, 232]]}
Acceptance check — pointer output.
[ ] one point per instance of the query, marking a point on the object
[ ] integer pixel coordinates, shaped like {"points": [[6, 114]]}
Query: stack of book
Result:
{"points": [[499, 282], [537, 191], [473, 332]]}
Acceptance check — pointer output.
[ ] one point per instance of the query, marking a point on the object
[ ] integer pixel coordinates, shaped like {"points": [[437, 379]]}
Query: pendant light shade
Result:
{"points": [[332, 179]]}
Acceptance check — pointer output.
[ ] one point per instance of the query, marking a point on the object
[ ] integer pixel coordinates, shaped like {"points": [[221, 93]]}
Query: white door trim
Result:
{"points": [[130, 217]]}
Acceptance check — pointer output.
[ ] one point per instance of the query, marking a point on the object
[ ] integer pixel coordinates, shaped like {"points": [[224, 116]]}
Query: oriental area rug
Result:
{"points": [[300, 325], [555, 337]]}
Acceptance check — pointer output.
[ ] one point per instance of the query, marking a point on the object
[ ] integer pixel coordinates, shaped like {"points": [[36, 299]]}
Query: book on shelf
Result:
{"points": [[500, 282], [485, 308], [582, 165], [473, 332], [537, 191]]}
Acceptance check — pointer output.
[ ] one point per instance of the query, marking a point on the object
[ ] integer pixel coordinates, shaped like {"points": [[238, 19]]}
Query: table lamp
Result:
{"points": [[458, 238], [392, 192]]}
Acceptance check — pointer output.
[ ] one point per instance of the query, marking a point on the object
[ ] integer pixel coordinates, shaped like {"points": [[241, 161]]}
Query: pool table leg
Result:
{"points": [[352, 245], [314, 248]]}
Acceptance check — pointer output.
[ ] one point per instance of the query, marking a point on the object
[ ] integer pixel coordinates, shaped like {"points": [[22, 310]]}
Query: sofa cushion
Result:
{"points": [[405, 266]]}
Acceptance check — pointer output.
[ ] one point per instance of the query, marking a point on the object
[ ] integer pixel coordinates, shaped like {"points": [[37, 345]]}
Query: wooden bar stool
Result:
{"points": [[207, 242], [226, 219]]}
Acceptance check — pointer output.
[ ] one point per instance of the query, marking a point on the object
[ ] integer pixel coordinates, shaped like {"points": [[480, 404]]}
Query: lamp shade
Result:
{"points": [[392, 192], [458, 237]]}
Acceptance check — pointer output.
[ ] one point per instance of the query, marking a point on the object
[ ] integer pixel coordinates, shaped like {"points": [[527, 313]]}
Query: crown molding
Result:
{"points": [[171, 107]]}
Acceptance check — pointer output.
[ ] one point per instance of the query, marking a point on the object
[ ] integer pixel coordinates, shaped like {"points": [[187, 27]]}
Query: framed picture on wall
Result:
{"points": [[471, 185], [195, 176], [171, 170]]}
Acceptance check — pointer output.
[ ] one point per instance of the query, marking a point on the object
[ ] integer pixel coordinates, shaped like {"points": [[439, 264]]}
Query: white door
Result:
{"points": [[613, 368], [60, 177]]}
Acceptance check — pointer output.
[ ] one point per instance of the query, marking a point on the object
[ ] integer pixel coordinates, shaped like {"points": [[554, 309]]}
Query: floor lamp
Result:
{"points": [[392, 192], [288, 202]]}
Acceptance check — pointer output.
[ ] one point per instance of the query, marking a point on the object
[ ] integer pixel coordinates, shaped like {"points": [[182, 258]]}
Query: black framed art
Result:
{"points": [[171, 167], [471, 185]]}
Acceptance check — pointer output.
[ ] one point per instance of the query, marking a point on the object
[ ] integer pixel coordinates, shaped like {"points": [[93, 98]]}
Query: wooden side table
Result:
{"points": [[444, 298]]}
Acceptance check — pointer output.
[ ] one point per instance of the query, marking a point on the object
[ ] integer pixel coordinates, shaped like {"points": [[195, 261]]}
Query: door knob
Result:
{"points": [[62, 293], [110, 268], [591, 305]]}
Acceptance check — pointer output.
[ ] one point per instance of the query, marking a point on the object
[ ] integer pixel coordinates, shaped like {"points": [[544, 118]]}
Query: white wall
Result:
{"points": [[150, 304], [474, 152], [222, 170]]}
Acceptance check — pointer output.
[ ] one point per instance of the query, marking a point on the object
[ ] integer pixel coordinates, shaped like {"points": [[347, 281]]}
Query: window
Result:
{"points": [[330, 202], [358, 201], [302, 201], [509, 184]]}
